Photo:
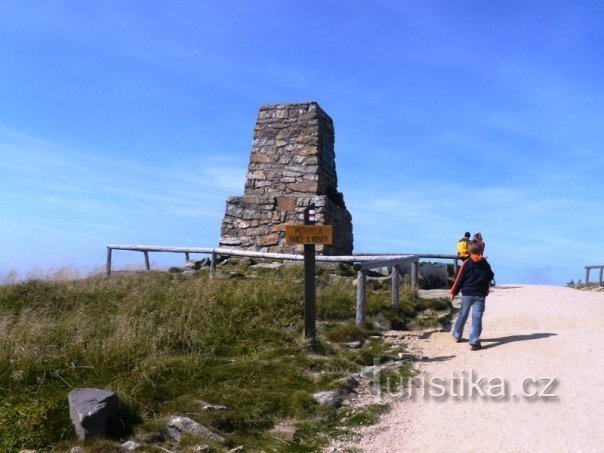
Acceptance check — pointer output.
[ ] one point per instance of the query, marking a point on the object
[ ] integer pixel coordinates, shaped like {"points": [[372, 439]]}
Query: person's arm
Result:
{"points": [[490, 272], [461, 275]]}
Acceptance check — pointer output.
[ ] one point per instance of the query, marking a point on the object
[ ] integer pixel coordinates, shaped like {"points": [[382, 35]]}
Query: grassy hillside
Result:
{"points": [[166, 344]]}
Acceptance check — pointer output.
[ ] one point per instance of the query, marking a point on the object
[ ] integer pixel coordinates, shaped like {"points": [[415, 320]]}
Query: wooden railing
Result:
{"points": [[588, 268], [361, 262]]}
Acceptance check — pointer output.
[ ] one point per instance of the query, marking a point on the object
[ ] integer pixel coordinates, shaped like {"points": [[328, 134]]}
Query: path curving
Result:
{"points": [[532, 335]]}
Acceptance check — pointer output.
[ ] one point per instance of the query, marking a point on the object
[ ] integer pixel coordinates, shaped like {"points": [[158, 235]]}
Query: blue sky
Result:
{"points": [[132, 122]]}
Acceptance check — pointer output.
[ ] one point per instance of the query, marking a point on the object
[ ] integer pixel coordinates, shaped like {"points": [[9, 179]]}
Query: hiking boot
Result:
{"points": [[475, 347], [457, 340]]}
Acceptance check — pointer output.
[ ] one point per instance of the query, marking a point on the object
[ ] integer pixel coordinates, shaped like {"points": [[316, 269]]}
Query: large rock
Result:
{"points": [[435, 275], [90, 410]]}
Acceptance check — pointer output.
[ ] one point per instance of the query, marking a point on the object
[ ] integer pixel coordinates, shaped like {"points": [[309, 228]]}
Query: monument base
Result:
{"points": [[257, 222]]}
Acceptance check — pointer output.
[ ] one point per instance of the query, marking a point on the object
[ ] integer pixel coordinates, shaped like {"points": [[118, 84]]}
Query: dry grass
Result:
{"points": [[164, 343]]}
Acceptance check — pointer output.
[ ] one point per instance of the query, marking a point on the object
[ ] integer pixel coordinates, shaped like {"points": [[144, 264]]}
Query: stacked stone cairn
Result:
{"points": [[292, 165]]}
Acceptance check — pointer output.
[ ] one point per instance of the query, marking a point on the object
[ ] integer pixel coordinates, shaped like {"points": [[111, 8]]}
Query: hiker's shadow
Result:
{"points": [[494, 342]]}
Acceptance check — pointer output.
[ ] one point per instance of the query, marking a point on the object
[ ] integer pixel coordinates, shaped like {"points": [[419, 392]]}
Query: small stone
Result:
{"points": [[354, 344], [328, 398], [129, 446], [333, 278], [213, 407], [197, 264], [177, 426], [202, 448], [286, 429]]}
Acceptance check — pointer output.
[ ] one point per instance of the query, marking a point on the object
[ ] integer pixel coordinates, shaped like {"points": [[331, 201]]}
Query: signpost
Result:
{"points": [[309, 234]]}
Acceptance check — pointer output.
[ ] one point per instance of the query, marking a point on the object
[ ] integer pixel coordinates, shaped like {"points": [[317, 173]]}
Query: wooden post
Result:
{"points": [[310, 330], [455, 267], [601, 272], [108, 261], [147, 265], [361, 283], [394, 276], [213, 264], [414, 274], [587, 277], [186, 257]]}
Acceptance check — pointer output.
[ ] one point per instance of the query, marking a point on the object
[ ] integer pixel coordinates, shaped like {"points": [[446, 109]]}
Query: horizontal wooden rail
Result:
{"points": [[244, 253], [362, 263], [375, 263]]}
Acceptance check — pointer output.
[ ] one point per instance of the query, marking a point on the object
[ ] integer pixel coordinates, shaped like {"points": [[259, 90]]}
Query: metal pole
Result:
{"points": [[108, 267], [394, 276], [310, 330]]}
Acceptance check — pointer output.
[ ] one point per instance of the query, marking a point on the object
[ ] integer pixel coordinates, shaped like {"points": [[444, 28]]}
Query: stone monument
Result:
{"points": [[292, 165]]}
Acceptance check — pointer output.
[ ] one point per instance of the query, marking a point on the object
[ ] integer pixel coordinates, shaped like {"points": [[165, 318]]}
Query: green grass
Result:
{"points": [[165, 343]]}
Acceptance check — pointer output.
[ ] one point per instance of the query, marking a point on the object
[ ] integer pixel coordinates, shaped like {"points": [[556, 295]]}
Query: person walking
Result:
{"points": [[473, 281], [462, 246], [478, 237]]}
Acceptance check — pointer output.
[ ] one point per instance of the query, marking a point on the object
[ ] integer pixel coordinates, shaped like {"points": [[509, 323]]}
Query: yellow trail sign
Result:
{"points": [[309, 234]]}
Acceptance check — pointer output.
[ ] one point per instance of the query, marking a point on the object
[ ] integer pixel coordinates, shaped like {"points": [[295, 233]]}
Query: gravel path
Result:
{"points": [[533, 336]]}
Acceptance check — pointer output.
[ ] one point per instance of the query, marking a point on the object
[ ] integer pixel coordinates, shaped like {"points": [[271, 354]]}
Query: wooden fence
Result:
{"points": [[588, 268], [361, 262]]}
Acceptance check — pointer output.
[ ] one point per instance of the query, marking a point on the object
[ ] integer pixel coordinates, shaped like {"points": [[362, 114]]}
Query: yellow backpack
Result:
{"points": [[462, 248]]}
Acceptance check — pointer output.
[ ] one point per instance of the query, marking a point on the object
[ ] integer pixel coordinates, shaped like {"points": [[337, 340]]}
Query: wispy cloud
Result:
{"points": [[68, 186]]}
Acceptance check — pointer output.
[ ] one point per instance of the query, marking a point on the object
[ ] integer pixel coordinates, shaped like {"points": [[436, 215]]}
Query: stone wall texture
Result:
{"points": [[292, 165]]}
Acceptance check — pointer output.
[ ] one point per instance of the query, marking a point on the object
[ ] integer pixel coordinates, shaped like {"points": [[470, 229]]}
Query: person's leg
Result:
{"points": [[464, 311], [477, 311]]}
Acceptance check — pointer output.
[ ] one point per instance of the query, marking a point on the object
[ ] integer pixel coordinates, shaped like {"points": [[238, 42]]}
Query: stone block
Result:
{"points": [[258, 158], [308, 151], [308, 187], [269, 239], [230, 241], [241, 224], [286, 203], [256, 175], [91, 410]]}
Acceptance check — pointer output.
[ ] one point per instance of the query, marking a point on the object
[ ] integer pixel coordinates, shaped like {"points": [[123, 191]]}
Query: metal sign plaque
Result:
{"points": [[309, 234]]}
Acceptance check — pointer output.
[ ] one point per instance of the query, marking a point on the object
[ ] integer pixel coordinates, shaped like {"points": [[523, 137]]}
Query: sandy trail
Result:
{"points": [[531, 335]]}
